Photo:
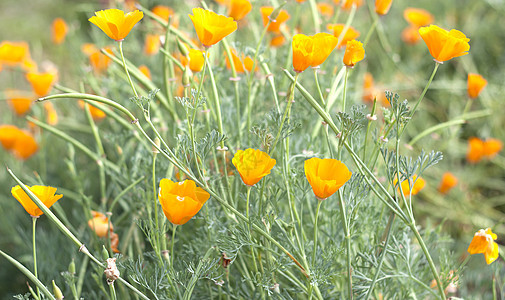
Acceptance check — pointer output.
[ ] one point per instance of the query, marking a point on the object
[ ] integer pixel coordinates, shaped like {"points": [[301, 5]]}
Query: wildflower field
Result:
{"points": [[252, 149]]}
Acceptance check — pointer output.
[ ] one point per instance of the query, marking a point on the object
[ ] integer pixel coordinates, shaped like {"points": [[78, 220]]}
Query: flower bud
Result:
{"points": [[71, 267], [57, 292], [158, 144], [183, 48], [105, 253]]}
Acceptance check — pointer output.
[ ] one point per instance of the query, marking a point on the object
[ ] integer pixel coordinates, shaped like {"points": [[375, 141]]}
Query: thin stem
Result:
{"points": [[319, 202], [155, 203], [112, 291], [370, 31], [247, 209], [315, 16], [345, 88], [126, 69], [34, 222], [174, 228], [424, 91], [347, 234]]}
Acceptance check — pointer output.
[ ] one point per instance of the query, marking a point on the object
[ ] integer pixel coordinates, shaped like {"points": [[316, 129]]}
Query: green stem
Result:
{"points": [[347, 234], [112, 291], [345, 88], [424, 91], [319, 202], [126, 69], [155, 203], [34, 222], [370, 31], [247, 209], [315, 16], [174, 229]]}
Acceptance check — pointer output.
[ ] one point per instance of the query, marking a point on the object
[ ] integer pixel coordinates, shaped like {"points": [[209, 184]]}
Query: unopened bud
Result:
{"points": [[183, 48], [186, 77], [57, 292], [105, 253], [158, 144], [71, 267]]}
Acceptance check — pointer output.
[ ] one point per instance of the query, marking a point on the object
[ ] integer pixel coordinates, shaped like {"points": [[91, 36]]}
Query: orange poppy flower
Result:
{"points": [[98, 61], [237, 62], [311, 50], [223, 2], [347, 4], [16, 54], [492, 147], [475, 85], [181, 200], [417, 17], [249, 63], [44, 193], [152, 44], [18, 102], [483, 242], [325, 9], [419, 184], [354, 53], [145, 70], [163, 12], [324, 43], [447, 183], [274, 27], [443, 44], [238, 9], [382, 7], [349, 35], [96, 113], [59, 30], [410, 35], [326, 176], [277, 41], [115, 23], [196, 60], [41, 82], [99, 223], [8, 136], [25, 145], [475, 150], [252, 165], [211, 27]]}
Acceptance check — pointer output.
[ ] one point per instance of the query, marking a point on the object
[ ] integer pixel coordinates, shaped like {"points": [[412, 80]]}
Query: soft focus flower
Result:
{"points": [[478, 149], [8, 135], [98, 61], [447, 183], [419, 184], [152, 44], [59, 29], [370, 92], [181, 200], [241, 63], [99, 223], [410, 35], [115, 23], [350, 33], [274, 27], [277, 41], [252, 165], [326, 176], [96, 113], [300, 1], [311, 50], [25, 145], [196, 60], [16, 54], [417, 17], [483, 242], [443, 44], [19, 102], [223, 2], [475, 84], [41, 82], [347, 4], [51, 114], [163, 12], [325, 9], [492, 147], [382, 6], [354, 53], [211, 27], [239, 9], [44, 193], [145, 70]]}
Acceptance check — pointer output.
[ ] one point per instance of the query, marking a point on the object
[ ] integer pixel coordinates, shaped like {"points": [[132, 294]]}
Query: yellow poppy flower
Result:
{"points": [[44, 193], [382, 7], [196, 60], [483, 242], [238, 9], [115, 23], [18, 101], [354, 53], [419, 184], [444, 45], [252, 165], [475, 85], [181, 200], [417, 17], [337, 29], [41, 82], [303, 46], [59, 30], [447, 183], [211, 27], [16, 54], [326, 176]]}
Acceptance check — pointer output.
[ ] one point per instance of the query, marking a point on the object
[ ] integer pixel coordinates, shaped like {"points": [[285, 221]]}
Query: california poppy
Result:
{"points": [[417, 17], [145, 70], [354, 53], [347, 4], [418, 182], [46, 194], [252, 165], [181, 200], [98, 61], [8, 136], [475, 150], [382, 7], [115, 23], [447, 183], [410, 35], [483, 242], [41, 82], [325, 9], [19, 101], [326, 176], [96, 113], [275, 25], [25, 145], [350, 33], [16, 54], [238, 9], [152, 44], [59, 29], [163, 12], [444, 45], [475, 85], [196, 60], [277, 41], [311, 50], [492, 147], [100, 224], [211, 27]]}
